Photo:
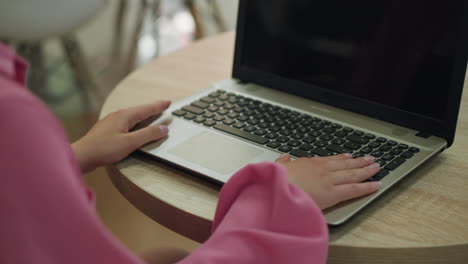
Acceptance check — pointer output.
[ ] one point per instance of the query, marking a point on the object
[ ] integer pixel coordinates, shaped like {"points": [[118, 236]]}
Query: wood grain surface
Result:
{"points": [[424, 219]]}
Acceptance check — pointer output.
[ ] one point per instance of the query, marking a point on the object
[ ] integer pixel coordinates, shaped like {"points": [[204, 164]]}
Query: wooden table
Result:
{"points": [[424, 219]]}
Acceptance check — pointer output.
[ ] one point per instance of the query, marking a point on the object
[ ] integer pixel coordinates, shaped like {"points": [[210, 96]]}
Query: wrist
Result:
{"points": [[83, 158]]}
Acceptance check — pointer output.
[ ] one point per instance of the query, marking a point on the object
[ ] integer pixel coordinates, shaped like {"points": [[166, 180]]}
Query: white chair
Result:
{"points": [[29, 22]]}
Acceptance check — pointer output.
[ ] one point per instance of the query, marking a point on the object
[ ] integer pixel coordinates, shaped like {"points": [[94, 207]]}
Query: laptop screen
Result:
{"points": [[396, 53]]}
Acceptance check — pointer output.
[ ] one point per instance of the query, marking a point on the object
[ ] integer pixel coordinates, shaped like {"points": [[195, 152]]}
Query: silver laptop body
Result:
{"points": [[216, 149]]}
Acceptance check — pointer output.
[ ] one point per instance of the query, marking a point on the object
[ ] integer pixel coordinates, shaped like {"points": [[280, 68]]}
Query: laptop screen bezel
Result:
{"points": [[443, 128]]}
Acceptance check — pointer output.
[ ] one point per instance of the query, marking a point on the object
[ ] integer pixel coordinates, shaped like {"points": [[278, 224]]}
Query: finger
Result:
{"points": [[147, 135], [139, 113], [283, 159], [349, 164], [355, 175], [336, 157], [350, 191]]}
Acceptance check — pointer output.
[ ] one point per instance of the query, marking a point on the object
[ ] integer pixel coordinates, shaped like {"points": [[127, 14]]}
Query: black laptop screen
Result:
{"points": [[396, 53]]}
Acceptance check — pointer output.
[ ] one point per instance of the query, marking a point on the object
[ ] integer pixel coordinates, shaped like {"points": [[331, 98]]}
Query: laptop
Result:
{"points": [[319, 78]]}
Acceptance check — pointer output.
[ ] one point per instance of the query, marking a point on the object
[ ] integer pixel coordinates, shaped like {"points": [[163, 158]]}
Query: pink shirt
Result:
{"points": [[47, 215]]}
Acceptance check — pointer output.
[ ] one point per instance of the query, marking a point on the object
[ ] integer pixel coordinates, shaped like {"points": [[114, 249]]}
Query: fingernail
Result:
{"points": [[377, 184], [164, 130], [369, 158], [348, 155], [374, 165]]}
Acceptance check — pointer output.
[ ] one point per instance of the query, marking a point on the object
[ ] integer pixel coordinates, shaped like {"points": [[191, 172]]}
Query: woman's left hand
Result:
{"points": [[110, 140]]}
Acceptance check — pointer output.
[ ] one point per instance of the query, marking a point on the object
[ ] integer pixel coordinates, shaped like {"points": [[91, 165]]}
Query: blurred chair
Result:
{"points": [[151, 8], [27, 23]]}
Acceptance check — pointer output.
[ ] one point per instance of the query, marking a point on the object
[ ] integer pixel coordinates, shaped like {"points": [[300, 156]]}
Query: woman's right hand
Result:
{"points": [[331, 180]]}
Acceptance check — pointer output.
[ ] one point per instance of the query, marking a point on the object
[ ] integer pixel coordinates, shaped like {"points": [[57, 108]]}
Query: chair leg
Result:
{"points": [[135, 38], [197, 17], [118, 29], [217, 15], [33, 52], [86, 80]]}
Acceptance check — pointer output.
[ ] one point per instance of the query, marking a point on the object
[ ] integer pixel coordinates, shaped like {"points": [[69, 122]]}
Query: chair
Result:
{"points": [[27, 23]]}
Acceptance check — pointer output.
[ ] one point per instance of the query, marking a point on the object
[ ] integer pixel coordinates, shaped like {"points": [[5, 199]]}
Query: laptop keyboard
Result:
{"points": [[288, 131]]}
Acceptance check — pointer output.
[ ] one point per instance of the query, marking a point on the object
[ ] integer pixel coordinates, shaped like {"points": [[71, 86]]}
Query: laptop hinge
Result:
{"points": [[423, 135]]}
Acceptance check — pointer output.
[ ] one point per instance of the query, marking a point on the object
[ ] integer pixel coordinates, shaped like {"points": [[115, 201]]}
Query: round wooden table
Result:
{"points": [[424, 219]]}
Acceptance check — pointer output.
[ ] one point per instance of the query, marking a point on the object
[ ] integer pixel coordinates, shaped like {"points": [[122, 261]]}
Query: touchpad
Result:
{"points": [[216, 152]]}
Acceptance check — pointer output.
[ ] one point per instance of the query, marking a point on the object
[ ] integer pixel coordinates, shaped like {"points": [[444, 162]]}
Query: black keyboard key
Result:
{"points": [[209, 123], [381, 140], [388, 157], [395, 163], [352, 145], [338, 149], [309, 140], [303, 130], [199, 119], [338, 141], [315, 133], [348, 129], [179, 113], [260, 132], [294, 143], [370, 136], [214, 94], [396, 151], [317, 126], [273, 144], [377, 154], [219, 118], [381, 162], [253, 121], [193, 109], [200, 104], [223, 111], [233, 115], [306, 147], [208, 115], [358, 133], [272, 136], [321, 144], [336, 126], [407, 155], [298, 136], [300, 153], [326, 137], [229, 121], [282, 139], [219, 103], [385, 148], [392, 143], [380, 175], [403, 146], [341, 134], [329, 130], [414, 150], [286, 132], [250, 128], [208, 100], [322, 152], [357, 139], [264, 125], [285, 148], [274, 128], [241, 133], [366, 150], [239, 125], [375, 144], [243, 118], [358, 155], [223, 97], [189, 116]]}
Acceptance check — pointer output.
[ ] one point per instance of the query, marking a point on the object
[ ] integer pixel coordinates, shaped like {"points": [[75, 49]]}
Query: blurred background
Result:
{"points": [[79, 50]]}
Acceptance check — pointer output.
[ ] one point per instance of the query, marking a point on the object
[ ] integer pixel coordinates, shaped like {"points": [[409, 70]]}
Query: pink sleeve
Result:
{"points": [[46, 213], [262, 219]]}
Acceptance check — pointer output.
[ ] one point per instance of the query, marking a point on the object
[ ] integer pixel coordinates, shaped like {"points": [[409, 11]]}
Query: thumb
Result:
{"points": [[148, 134], [283, 159]]}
